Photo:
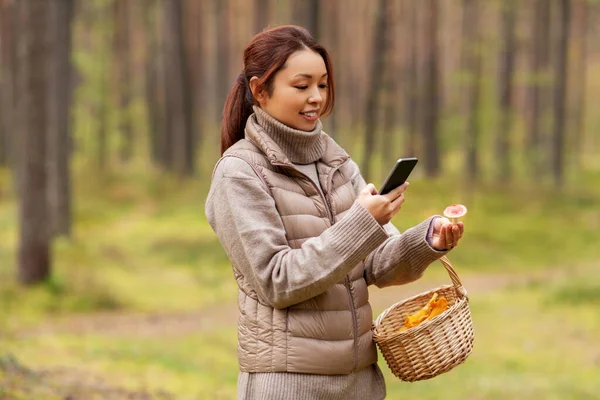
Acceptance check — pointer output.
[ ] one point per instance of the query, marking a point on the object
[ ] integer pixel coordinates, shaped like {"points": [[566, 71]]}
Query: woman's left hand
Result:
{"points": [[446, 235]]}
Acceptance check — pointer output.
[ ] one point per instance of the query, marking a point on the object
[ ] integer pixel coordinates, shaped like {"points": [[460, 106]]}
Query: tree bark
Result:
{"points": [[34, 238], [472, 61], [412, 91], [179, 103], [123, 77], [560, 93], [389, 150], [507, 68], [431, 92], [224, 81], [106, 37], [306, 13], [375, 87], [580, 20], [59, 177], [539, 68], [8, 71], [193, 24], [261, 15]]}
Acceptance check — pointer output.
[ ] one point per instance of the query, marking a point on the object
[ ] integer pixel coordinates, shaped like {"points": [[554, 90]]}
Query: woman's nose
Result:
{"points": [[315, 97]]}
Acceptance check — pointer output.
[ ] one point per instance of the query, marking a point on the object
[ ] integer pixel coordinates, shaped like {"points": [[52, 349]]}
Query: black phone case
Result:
{"points": [[399, 174]]}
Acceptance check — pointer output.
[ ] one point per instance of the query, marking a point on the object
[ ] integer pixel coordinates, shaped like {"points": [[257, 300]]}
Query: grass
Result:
{"points": [[141, 245], [529, 343]]}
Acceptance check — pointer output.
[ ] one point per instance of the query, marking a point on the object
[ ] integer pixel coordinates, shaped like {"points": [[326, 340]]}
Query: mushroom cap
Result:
{"points": [[455, 211]]}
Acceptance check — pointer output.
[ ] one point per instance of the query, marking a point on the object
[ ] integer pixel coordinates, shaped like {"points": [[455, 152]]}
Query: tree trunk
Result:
{"points": [[224, 81], [179, 104], [313, 19], [59, 90], [375, 87], [193, 24], [123, 77], [539, 69], [507, 68], [261, 15], [7, 76], [151, 85], [389, 150], [32, 78], [580, 20], [472, 62], [106, 37], [306, 13], [560, 94], [431, 92], [3, 131], [412, 87]]}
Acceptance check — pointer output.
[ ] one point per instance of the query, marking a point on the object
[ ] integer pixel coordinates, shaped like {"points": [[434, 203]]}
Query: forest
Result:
{"points": [[112, 283]]}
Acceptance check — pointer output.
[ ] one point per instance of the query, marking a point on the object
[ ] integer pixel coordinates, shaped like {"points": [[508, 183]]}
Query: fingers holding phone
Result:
{"points": [[382, 207], [397, 194]]}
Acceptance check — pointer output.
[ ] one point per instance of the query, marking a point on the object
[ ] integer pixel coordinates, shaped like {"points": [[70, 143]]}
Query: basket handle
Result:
{"points": [[460, 289]]}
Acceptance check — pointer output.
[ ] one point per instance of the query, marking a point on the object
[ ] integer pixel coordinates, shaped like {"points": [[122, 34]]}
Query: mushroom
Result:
{"points": [[454, 212]]}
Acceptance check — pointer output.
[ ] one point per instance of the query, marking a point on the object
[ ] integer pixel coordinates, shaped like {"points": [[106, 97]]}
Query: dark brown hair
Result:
{"points": [[266, 54]]}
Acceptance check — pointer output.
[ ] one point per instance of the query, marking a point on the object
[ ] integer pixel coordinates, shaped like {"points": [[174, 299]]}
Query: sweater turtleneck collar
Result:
{"points": [[300, 147]]}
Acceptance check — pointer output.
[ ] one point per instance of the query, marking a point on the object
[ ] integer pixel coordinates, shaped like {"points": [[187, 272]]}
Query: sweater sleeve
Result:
{"points": [[402, 258], [242, 213]]}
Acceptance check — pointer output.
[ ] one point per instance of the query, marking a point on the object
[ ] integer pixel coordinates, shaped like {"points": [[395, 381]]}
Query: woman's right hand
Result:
{"points": [[382, 207]]}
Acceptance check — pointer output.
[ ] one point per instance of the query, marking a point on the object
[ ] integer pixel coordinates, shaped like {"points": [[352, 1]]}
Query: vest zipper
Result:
{"points": [[346, 279], [325, 196], [354, 320]]}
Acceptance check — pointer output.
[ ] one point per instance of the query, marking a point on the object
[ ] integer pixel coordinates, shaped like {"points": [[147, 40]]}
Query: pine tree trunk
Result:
{"points": [[375, 87], [412, 87], [224, 80], [580, 20], [153, 109], [32, 78], [261, 15], [472, 62], [389, 150], [59, 188], [507, 68], [7, 76], [179, 104], [123, 77], [537, 91], [560, 94], [431, 93]]}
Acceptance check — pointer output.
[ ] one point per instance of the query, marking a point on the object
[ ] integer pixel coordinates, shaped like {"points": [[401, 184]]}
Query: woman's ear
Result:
{"points": [[257, 90]]}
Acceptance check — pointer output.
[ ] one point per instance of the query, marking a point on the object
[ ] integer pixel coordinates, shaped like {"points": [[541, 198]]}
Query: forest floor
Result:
{"points": [[18, 381]]}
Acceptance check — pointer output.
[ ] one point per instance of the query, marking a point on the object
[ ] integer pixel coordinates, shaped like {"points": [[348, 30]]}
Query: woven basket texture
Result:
{"points": [[433, 347]]}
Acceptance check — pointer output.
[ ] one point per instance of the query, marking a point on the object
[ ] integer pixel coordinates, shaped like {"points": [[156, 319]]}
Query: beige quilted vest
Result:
{"points": [[330, 333]]}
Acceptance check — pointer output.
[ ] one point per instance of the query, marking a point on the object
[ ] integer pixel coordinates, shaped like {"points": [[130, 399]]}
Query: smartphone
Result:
{"points": [[399, 174]]}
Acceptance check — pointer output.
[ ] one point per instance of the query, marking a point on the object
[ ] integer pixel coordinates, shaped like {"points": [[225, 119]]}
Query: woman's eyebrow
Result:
{"points": [[309, 76]]}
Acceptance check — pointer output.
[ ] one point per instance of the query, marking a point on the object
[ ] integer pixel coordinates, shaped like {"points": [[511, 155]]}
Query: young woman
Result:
{"points": [[305, 234]]}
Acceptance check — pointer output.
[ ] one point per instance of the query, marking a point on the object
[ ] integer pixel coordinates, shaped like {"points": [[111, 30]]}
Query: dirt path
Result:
{"points": [[225, 315]]}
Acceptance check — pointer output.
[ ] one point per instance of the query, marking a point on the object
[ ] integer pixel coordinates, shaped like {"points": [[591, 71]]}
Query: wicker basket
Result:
{"points": [[433, 347]]}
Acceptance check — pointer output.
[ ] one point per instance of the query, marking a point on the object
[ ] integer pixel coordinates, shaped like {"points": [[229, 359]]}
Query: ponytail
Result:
{"points": [[236, 111]]}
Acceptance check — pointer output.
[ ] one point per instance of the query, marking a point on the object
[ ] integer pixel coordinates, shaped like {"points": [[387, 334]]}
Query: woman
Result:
{"points": [[305, 234]]}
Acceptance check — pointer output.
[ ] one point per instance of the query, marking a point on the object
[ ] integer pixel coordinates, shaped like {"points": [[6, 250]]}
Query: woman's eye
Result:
{"points": [[301, 87], [323, 86]]}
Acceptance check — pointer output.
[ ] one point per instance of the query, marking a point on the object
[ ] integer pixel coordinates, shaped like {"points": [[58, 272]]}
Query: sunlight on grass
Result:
{"points": [[524, 348]]}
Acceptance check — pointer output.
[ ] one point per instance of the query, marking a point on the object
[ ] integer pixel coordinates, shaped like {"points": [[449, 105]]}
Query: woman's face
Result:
{"points": [[299, 91]]}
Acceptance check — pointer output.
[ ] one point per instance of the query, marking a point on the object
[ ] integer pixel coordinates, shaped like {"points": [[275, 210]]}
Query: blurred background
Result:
{"points": [[112, 284]]}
